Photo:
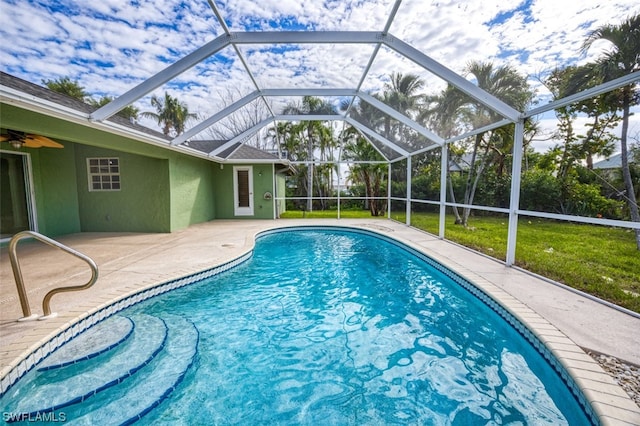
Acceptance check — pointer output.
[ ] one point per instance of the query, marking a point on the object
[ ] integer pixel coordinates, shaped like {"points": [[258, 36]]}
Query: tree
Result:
{"points": [[242, 119], [558, 84], [598, 139], [371, 175], [402, 90], [72, 88], [622, 58], [68, 87], [400, 93], [285, 137], [443, 113], [318, 137], [170, 113], [489, 147], [129, 112]]}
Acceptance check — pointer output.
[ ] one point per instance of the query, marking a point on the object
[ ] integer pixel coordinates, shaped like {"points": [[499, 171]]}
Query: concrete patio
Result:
{"points": [[128, 262]]}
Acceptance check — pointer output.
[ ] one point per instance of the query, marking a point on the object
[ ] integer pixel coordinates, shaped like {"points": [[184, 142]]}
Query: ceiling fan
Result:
{"points": [[28, 140]]}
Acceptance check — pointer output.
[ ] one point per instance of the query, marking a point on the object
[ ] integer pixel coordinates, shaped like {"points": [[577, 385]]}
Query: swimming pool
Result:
{"points": [[321, 326]]}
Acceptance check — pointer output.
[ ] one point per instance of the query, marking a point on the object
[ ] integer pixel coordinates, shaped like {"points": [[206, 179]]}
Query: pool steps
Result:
{"points": [[86, 384], [70, 331], [100, 339], [152, 385]]}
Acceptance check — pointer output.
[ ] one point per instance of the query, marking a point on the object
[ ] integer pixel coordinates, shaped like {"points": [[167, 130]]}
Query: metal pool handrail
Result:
{"points": [[15, 265]]}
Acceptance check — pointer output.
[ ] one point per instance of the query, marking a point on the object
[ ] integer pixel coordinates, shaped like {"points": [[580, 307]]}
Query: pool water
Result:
{"points": [[332, 327]]}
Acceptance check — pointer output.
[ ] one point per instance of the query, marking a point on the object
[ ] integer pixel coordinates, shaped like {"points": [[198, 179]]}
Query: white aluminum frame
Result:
{"points": [[301, 37], [377, 39]]}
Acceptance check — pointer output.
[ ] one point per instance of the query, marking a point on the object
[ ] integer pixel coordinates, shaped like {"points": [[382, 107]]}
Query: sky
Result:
{"points": [[110, 46]]}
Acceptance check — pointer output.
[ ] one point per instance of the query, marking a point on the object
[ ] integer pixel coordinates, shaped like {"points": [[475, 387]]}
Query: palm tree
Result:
{"points": [[623, 58], [400, 93], [68, 87], [72, 88], [403, 90], [456, 109], [170, 113], [286, 136], [442, 112], [318, 135], [371, 175], [129, 112]]}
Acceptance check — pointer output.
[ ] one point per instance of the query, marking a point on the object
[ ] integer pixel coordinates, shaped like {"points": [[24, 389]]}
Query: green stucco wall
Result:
{"points": [[55, 190], [54, 187], [192, 191], [162, 190], [142, 204], [262, 182], [157, 195]]}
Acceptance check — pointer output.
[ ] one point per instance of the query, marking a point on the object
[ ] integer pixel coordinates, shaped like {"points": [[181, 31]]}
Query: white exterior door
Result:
{"points": [[243, 190]]}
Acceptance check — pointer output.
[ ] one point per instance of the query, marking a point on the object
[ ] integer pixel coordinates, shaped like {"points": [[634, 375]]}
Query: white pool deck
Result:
{"points": [[129, 262]]}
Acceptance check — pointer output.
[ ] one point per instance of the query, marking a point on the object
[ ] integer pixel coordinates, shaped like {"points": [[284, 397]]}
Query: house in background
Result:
{"points": [[118, 176], [612, 163]]}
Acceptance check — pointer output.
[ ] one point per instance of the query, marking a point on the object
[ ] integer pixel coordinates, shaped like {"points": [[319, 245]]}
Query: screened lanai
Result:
{"points": [[483, 119], [245, 69]]}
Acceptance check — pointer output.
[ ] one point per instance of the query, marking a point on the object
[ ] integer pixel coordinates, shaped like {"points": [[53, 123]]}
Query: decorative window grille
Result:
{"points": [[104, 174]]}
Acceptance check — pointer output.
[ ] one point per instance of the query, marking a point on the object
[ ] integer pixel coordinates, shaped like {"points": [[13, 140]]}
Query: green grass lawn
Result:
{"points": [[598, 260], [328, 214]]}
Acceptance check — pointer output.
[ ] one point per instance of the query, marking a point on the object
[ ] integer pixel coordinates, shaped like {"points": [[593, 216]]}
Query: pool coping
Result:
{"points": [[607, 399]]}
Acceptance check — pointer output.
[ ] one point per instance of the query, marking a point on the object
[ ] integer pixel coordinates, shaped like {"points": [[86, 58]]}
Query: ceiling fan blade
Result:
{"points": [[31, 143], [5, 138], [37, 141]]}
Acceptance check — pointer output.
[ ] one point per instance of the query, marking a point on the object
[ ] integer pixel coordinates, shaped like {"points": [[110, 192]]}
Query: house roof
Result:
{"points": [[63, 100], [612, 162], [237, 151], [460, 163], [234, 152]]}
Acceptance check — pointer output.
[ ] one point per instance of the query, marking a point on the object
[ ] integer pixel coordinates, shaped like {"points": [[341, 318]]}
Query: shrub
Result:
{"points": [[540, 191], [586, 200]]}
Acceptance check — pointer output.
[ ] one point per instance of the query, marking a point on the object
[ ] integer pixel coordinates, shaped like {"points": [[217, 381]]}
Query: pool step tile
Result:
{"points": [[51, 390], [127, 403], [96, 341]]}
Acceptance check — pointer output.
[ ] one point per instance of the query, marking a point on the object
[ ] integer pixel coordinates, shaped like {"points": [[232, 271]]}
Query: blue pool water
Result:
{"points": [[332, 327]]}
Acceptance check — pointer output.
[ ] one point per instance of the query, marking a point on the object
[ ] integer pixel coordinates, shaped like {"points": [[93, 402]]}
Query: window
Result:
{"points": [[243, 190], [104, 174]]}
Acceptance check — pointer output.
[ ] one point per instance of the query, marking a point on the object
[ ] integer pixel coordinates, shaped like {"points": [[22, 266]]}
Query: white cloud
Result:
{"points": [[547, 124], [111, 46]]}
